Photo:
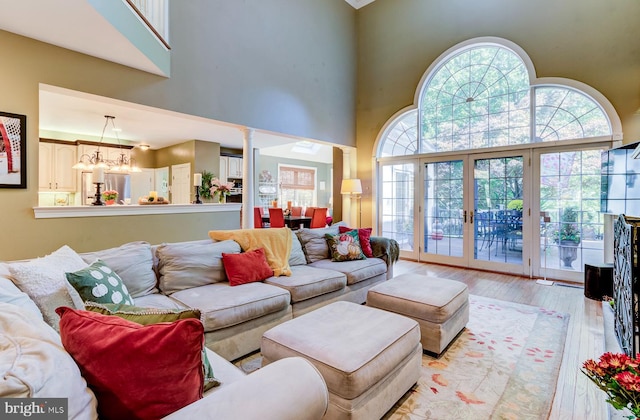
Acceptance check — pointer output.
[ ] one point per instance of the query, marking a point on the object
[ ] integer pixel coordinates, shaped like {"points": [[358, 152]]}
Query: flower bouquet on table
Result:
{"points": [[110, 196], [618, 375], [221, 189]]}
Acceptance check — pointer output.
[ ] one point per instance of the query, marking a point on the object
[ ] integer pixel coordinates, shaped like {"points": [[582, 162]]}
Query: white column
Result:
{"points": [[347, 211], [248, 176]]}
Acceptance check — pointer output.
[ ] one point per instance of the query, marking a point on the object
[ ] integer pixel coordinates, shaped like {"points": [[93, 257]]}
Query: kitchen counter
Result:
{"points": [[56, 212]]}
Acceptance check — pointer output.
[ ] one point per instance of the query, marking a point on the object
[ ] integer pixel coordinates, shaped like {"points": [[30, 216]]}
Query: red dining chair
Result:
{"points": [[296, 211], [319, 218], [309, 211], [276, 217], [257, 218]]}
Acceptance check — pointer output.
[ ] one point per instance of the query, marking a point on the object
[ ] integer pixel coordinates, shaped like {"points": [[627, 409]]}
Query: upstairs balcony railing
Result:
{"points": [[155, 14]]}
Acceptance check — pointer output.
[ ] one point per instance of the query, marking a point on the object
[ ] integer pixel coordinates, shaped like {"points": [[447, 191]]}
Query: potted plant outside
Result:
{"points": [[568, 236]]}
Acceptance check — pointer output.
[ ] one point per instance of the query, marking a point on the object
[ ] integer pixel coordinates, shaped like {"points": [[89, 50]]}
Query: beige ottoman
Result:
{"points": [[440, 306], [369, 358]]}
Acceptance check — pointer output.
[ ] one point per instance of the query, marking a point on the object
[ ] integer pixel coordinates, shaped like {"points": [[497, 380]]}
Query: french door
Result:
{"points": [[475, 211], [533, 211]]}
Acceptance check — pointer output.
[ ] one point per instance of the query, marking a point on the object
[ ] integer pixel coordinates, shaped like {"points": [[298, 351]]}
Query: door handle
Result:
{"points": [[464, 216], [471, 217]]}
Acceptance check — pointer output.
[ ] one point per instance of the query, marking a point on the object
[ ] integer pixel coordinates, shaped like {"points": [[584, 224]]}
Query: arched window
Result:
{"points": [[480, 95], [402, 136]]}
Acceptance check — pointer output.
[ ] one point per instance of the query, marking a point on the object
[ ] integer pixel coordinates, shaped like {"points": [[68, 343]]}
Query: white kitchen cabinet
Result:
{"points": [[224, 168], [55, 166], [235, 167]]}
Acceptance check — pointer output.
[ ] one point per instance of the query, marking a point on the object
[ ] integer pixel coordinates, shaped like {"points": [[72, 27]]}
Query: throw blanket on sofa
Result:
{"points": [[276, 243]]}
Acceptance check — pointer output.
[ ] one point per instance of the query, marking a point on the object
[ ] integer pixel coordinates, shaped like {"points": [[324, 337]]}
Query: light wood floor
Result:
{"points": [[575, 396]]}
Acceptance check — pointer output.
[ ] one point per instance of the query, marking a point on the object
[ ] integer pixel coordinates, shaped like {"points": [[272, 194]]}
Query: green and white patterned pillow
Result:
{"points": [[99, 283]]}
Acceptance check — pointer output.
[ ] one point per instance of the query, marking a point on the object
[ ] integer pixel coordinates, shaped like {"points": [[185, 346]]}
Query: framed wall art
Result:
{"points": [[13, 150]]}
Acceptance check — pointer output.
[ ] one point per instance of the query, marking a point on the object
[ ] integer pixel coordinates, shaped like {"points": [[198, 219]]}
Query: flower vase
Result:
{"points": [[222, 198], [110, 202]]}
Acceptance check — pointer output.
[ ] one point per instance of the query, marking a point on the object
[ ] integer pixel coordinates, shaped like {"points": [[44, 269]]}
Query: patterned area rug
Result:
{"points": [[504, 365]]}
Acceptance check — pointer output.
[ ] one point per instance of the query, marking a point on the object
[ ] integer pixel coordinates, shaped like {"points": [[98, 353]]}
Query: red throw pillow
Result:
{"points": [[364, 234], [135, 371], [246, 267]]}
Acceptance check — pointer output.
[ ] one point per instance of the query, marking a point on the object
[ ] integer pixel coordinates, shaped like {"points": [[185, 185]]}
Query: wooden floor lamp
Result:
{"points": [[353, 187]]}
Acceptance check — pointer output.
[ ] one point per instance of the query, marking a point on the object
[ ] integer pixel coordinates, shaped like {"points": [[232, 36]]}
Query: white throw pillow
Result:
{"points": [[133, 262], [9, 292], [33, 364], [44, 280]]}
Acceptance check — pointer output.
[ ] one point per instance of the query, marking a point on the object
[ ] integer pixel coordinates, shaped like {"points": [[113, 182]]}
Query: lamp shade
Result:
{"points": [[351, 186]]}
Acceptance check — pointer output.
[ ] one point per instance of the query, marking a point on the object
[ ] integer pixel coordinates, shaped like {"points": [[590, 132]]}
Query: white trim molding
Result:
{"points": [[57, 212]]}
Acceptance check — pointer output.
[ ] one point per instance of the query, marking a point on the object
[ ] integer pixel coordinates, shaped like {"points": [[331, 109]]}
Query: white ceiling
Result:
{"points": [[359, 3], [79, 27], [75, 25], [63, 111]]}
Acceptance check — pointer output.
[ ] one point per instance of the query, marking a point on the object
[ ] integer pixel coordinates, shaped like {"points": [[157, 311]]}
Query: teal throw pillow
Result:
{"points": [[345, 246], [99, 283]]}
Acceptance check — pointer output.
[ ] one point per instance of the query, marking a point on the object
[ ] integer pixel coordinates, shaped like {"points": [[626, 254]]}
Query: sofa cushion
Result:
{"points": [[345, 246], [297, 254], [43, 279], [314, 244], [223, 306], [246, 267], [183, 265], [275, 241], [99, 283], [307, 282], [135, 371], [356, 271], [148, 316], [133, 262], [364, 234], [158, 300], [33, 363]]}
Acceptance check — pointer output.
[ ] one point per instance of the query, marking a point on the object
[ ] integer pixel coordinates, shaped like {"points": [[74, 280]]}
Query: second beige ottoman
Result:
{"points": [[369, 358], [440, 306]]}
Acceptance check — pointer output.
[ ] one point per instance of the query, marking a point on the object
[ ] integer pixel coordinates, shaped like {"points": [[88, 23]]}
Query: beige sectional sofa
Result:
{"points": [[191, 274]]}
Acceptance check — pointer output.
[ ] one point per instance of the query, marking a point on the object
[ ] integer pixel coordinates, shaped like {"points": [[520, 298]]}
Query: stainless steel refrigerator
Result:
{"points": [[112, 181]]}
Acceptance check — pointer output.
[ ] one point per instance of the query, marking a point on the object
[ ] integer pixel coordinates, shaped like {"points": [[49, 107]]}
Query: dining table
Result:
{"points": [[292, 222]]}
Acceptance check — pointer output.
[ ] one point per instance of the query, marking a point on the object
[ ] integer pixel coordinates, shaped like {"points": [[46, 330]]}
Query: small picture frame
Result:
{"points": [[13, 150]]}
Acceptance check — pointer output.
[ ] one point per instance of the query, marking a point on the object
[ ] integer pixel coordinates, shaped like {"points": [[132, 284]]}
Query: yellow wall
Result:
{"points": [[591, 41], [23, 236]]}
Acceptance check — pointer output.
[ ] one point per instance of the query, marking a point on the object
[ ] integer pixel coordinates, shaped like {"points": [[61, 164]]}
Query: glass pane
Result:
{"points": [[473, 99], [498, 210], [571, 198], [563, 113], [397, 204], [443, 216]]}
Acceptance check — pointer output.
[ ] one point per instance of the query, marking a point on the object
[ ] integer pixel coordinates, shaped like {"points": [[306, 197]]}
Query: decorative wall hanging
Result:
{"points": [[13, 150]]}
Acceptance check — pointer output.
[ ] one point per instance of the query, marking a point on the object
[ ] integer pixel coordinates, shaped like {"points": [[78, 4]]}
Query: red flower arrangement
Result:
{"points": [[618, 375]]}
